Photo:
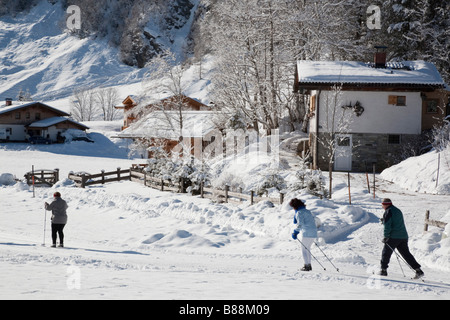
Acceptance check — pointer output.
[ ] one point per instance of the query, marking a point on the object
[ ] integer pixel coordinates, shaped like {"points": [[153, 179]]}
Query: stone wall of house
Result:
{"points": [[370, 148]]}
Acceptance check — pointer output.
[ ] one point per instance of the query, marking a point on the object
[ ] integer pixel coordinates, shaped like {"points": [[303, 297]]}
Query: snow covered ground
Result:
{"points": [[127, 241]]}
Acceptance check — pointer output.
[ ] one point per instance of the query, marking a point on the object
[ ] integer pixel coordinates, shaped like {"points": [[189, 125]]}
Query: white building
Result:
{"points": [[362, 114]]}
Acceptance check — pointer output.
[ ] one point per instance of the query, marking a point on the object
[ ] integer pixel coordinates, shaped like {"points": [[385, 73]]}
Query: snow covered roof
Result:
{"points": [[165, 124], [18, 106], [45, 123], [411, 73]]}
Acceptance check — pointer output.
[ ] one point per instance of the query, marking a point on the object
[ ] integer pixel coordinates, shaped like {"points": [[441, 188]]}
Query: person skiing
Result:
{"points": [[58, 208], [306, 224], [396, 237]]}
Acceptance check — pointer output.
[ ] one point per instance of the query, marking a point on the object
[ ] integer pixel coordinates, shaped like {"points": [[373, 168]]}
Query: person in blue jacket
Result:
{"points": [[306, 224]]}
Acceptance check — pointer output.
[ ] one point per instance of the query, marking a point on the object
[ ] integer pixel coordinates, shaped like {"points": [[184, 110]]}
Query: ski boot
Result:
{"points": [[382, 272], [306, 267], [419, 274]]}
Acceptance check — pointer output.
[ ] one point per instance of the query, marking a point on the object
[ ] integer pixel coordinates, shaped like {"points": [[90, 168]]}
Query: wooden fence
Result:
{"points": [[83, 180], [236, 197], [42, 177], [435, 223], [138, 174]]}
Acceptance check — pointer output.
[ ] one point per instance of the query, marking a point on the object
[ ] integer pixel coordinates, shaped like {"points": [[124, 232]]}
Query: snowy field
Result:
{"points": [[127, 241]]}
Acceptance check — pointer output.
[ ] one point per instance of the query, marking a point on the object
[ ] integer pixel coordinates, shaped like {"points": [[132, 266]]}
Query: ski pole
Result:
{"points": [[45, 225], [311, 254], [337, 269], [398, 258]]}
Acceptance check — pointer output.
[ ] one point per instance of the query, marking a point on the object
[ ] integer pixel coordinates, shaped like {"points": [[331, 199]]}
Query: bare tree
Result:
{"points": [[106, 99], [335, 121], [83, 104], [163, 90]]}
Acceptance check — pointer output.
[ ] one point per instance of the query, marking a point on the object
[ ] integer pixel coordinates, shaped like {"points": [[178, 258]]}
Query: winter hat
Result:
{"points": [[57, 194], [386, 201]]}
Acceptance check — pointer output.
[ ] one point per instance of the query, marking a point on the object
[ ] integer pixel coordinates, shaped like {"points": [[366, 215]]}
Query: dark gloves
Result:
{"points": [[385, 240]]}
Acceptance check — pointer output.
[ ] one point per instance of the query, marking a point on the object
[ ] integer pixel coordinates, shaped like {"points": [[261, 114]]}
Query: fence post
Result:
{"points": [[83, 180], [252, 194], [118, 173], [349, 192], [103, 176], [201, 189], [427, 217], [374, 170], [281, 197], [227, 188], [56, 175], [162, 184], [368, 183]]}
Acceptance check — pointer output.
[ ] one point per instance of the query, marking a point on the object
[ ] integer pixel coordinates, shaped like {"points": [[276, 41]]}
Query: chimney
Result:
{"points": [[380, 57], [8, 102]]}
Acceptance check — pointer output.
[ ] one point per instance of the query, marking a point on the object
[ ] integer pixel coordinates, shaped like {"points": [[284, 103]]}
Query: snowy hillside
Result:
{"points": [[36, 55], [127, 241]]}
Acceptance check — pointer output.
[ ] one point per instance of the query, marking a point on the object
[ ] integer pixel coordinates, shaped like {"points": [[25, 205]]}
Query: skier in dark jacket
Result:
{"points": [[395, 237], [58, 208]]}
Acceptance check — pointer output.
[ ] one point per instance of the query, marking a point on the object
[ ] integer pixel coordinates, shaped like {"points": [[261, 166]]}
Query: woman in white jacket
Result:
{"points": [[306, 224]]}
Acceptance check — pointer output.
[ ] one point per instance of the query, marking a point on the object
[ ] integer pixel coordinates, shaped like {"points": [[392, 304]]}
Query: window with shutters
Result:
{"points": [[397, 100]]}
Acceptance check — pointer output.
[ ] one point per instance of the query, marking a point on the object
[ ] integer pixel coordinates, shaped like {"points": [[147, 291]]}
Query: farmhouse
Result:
{"points": [[361, 114], [162, 129], [175, 121], [20, 121], [132, 113]]}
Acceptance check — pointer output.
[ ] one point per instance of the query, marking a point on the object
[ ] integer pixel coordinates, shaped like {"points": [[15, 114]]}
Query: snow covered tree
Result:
{"points": [[440, 137], [255, 66], [420, 30], [24, 95]]}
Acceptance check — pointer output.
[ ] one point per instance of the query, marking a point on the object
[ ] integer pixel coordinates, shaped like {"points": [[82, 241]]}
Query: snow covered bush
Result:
{"points": [[441, 136], [200, 174], [311, 180], [188, 171], [273, 180]]}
